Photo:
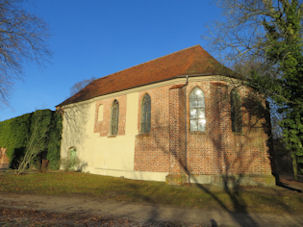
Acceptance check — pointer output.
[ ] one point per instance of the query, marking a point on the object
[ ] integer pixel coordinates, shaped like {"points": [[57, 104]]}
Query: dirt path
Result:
{"points": [[133, 214]]}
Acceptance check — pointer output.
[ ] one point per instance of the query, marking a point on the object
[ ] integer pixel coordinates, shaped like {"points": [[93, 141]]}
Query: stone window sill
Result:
{"points": [[197, 133], [144, 134]]}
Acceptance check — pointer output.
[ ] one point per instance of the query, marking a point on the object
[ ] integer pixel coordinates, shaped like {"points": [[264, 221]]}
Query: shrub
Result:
{"points": [[40, 130], [54, 141]]}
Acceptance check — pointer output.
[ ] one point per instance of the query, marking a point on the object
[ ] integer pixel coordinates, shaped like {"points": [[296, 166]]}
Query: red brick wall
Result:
{"points": [[103, 127], [152, 149], [199, 150], [177, 141], [218, 150]]}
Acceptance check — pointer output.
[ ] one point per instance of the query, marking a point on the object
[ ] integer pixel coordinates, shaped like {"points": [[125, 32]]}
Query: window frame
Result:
{"points": [[199, 109], [236, 111], [114, 124], [145, 121]]}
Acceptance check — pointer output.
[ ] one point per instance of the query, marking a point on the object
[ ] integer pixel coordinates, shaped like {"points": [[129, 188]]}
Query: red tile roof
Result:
{"points": [[191, 61]]}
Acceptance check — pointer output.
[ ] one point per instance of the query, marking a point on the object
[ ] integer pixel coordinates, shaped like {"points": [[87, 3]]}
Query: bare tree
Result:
{"points": [[268, 35], [22, 38], [241, 38], [79, 85], [242, 33]]}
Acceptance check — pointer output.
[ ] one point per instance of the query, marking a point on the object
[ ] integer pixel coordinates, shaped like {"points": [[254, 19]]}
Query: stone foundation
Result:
{"points": [[176, 179], [231, 180]]}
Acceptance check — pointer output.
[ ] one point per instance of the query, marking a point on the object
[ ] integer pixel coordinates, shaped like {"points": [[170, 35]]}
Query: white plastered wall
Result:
{"points": [[105, 155]]}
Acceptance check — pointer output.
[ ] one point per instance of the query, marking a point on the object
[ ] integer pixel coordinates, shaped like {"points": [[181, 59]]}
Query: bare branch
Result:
{"points": [[22, 38]]}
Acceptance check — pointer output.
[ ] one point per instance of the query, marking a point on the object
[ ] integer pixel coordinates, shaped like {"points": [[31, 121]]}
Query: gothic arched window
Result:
{"points": [[235, 111], [115, 118], [145, 114], [197, 110]]}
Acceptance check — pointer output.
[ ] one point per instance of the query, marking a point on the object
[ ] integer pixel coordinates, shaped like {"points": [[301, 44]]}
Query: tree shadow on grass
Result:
{"points": [[286, 186], [231, 165]]}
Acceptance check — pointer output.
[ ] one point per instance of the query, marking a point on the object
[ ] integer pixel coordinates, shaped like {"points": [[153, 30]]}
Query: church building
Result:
{"points": [[180, 118]]}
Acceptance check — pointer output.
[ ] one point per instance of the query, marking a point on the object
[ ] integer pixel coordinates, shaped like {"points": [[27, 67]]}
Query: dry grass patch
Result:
{"points": [[246, 199]]}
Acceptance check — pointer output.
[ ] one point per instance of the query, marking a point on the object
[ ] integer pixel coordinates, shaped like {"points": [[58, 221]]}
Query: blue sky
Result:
{"points": [[94, 38]]}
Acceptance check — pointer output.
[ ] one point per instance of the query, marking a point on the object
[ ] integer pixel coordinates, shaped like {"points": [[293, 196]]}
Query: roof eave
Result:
{"points": [[159, 81]]}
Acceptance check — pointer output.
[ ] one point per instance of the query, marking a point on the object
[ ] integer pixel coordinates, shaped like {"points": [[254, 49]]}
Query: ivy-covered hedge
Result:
{"points": [[44, 126], [54, 141]]}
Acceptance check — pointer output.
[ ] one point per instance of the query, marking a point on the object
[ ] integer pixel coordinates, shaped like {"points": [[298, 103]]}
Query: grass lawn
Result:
{"points": [[247, 199]]}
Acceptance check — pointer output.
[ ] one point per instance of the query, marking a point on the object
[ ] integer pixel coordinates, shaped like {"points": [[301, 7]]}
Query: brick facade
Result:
{"points": [[171, 147], [170, 150], [218, 150], [152, 149], [103, 127]]}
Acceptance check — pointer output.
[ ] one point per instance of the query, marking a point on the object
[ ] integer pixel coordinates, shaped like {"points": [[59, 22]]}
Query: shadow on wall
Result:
{"points": [[234, 154], [231, 164], [75, 121]]}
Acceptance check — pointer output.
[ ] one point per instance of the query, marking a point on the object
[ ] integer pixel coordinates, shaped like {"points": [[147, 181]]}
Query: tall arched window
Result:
{"points": [[145, 114], [235, 111], [197, 110], [115, 118]]}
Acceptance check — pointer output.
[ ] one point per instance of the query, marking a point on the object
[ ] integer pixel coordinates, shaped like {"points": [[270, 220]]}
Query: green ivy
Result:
{"points": [[41, 127], [54, 142]]}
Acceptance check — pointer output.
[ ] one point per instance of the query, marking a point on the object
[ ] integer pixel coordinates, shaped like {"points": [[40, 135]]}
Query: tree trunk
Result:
{"points": [[294, 165]]}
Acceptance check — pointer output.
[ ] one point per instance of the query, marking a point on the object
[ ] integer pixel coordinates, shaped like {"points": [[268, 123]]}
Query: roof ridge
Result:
{"points": [[144, 63]]}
